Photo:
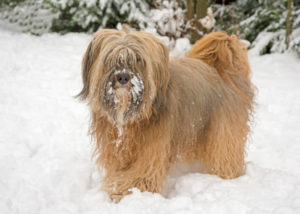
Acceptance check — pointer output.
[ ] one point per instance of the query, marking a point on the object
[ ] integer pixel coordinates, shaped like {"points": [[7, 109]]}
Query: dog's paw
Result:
{"points": [[116, 198]]}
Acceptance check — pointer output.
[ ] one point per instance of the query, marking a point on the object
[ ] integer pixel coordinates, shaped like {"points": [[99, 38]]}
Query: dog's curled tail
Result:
{"points": [[227, 54]]}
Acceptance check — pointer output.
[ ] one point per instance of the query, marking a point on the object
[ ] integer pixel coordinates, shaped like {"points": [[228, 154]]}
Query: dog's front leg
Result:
{"points": [[147, 173]]}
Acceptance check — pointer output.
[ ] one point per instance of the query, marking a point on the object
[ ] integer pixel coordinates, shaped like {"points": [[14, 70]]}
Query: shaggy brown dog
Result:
{"points": [[149, 112]]}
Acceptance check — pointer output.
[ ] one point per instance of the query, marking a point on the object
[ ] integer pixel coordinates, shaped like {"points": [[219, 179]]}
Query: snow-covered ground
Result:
{"points": [[45, 152]]}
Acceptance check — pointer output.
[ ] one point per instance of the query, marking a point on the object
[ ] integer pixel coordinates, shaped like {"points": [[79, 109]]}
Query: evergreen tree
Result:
{"points": [[262, 22], [33, 16], [90, 15]]}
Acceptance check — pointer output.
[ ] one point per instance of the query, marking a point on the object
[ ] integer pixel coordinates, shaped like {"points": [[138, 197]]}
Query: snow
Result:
{"points": [[137, 87], [182, 45], [262, 40], [167, 20], [46, 159], [208, 22]]}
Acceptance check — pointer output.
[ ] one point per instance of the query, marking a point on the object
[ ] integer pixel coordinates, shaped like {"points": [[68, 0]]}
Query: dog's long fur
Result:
{"points": [[190, 108]]}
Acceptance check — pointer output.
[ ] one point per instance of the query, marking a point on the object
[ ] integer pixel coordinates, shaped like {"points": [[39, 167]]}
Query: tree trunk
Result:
{"points": [[201, 8], [288, 23], [200, 11], [190, 9]]}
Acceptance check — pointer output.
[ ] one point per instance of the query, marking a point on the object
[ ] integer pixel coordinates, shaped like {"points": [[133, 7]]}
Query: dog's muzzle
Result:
{"points": [[124, 92]]}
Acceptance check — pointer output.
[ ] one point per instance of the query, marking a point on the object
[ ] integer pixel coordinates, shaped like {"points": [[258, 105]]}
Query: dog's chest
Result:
{"points": [[123, 150]]}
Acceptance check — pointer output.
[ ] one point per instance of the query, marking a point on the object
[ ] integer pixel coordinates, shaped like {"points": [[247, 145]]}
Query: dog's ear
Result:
{"points": [[159, 59], [87, 63], [161, 74], [91, 55]]}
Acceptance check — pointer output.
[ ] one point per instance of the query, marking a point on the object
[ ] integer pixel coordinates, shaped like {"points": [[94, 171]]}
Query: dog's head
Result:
{"points": [[125, 75]]}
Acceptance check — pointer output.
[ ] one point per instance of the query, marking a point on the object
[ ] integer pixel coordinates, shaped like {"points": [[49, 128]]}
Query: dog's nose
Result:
{"points": [[123, 78]]}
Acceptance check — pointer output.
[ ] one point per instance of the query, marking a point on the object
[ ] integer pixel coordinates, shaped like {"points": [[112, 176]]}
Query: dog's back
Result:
{"points": [[195, 85], [228, 55]]}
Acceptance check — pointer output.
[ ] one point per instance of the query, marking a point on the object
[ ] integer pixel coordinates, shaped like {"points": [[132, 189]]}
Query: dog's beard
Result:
{"points": [[123, 101]]}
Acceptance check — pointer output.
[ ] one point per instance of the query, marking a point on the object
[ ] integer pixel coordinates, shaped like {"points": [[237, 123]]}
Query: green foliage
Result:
{"points": [[251, 18], [90, 15], [269, 16], [4, 3], [167, 19], [31, 16], [74, 15]]}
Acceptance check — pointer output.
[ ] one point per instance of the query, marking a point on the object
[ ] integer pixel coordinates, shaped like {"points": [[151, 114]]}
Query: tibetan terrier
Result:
{"points": [[149, 111]]}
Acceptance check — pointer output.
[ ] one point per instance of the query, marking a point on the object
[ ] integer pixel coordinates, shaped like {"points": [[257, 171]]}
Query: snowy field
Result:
{"points": [[45, 152]]}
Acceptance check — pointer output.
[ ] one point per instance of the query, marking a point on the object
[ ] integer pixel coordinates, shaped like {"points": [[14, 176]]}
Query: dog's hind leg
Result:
{"points": [[224, 148]]}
